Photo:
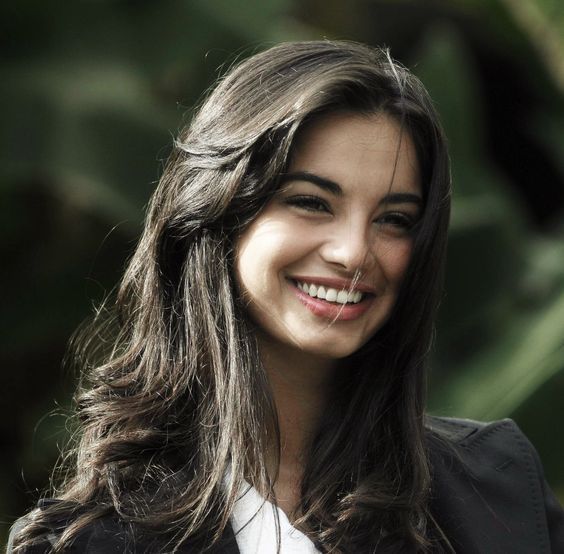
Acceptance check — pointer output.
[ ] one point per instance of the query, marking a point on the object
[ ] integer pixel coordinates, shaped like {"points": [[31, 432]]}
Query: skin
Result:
{"points": [[345, 210]]}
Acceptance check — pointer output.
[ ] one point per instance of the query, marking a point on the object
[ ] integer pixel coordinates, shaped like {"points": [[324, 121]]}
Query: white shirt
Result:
{"points": [[254, 523]]}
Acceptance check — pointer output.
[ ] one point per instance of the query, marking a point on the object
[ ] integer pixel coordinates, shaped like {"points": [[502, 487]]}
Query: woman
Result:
{"points": [[264, 383]]}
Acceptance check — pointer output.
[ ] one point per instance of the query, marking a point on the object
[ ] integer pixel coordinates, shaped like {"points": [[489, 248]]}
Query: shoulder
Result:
{"points": [[470, 438], [106, 535], [469, 451], [101, 535], [480, 450], [458, 430], [489, 490]]}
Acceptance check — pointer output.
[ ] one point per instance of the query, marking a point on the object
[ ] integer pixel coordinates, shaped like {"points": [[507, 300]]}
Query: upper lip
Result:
{"points": [[336, 283]]}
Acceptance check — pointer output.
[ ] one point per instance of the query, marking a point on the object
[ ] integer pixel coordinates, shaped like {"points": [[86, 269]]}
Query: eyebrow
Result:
{"points": [[322, 182], [333, 188], [402, 198]]}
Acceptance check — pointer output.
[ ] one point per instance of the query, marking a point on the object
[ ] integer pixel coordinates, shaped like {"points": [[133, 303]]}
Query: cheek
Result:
{"points": [[260, 254], [272, 240], [245, 265], [395, 260]]}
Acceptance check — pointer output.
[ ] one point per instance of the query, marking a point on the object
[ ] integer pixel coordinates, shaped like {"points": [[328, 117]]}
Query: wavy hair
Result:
{"points": [[172, 384]]}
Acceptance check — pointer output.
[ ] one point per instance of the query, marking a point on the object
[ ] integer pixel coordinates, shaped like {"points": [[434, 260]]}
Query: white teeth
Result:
{"points": [[330, 294], [342, 297], [355, 297]]}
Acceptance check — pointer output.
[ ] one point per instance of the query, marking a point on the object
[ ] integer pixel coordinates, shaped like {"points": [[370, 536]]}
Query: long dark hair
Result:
{"points": [[173, 393]]}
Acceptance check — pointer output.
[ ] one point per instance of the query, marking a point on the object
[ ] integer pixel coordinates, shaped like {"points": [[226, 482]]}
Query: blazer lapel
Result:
{"points": [[487, 493]]}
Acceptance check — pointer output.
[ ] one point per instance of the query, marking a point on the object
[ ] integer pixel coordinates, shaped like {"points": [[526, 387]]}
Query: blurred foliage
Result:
{"points": [[92, 92]]}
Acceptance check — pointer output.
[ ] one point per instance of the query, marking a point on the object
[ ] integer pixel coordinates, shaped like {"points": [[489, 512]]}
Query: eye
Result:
{"points": [[398, 221], [308, 203]]}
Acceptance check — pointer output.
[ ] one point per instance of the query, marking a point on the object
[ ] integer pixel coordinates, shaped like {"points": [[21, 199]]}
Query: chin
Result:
{"points": [[332, 351]]}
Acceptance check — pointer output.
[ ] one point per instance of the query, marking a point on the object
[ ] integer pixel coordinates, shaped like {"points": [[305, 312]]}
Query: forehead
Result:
{"points": [[353, 148]]}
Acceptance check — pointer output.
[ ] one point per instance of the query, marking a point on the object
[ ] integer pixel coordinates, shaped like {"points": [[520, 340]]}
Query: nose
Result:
{"points": [[349, 248]]}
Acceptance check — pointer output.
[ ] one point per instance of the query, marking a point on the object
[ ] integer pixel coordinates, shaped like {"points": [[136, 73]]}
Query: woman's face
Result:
{"points": [[346, 207]]}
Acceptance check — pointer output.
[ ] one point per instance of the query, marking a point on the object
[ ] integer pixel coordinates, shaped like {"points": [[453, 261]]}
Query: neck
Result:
{"points": [[301, 384]]}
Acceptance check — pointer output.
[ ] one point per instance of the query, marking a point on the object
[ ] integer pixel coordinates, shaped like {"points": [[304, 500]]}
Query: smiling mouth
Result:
{"points": [[330, 294]]}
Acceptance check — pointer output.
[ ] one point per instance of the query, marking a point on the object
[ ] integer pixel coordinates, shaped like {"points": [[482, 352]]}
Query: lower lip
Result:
{"points": [[331, 310]]}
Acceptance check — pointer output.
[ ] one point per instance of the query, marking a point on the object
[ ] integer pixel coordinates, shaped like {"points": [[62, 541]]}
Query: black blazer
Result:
{"points": [[488, 495]]}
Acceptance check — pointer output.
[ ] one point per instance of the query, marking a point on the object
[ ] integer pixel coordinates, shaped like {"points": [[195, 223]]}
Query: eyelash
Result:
{"points": [[309, 203], [398, 220]]}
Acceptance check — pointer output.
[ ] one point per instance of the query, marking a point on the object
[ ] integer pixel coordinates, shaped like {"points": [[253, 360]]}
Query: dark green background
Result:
{"points": [[91, 94]]}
